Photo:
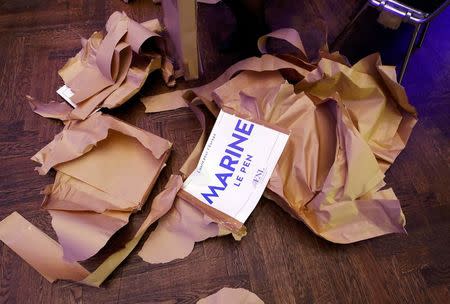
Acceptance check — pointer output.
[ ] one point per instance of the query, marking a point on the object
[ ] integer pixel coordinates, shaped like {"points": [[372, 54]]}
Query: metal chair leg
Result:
{"points": [[346, 31], [363, 8], [422, 35], [408, 53]]}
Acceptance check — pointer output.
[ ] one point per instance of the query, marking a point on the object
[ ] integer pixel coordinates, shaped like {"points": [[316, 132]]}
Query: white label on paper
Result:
{"points": [[235, 166], [66, 93]]}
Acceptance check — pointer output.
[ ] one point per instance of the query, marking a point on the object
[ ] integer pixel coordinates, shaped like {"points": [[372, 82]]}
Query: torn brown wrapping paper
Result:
{"points": [[177, 232], [180, 20], [232, 295], [347, 124], [187, 222], [53, 109], [23, 237], [110, 69], [328, 168], [105, 170], [37, 249], [288, 34], [174, 100]]}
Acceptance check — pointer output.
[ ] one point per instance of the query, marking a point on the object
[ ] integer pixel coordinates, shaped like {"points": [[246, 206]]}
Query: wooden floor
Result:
{"points": [[280, 259]]}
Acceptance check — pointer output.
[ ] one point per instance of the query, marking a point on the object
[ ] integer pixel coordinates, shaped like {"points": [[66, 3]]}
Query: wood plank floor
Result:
{"points": [[280, 259]]}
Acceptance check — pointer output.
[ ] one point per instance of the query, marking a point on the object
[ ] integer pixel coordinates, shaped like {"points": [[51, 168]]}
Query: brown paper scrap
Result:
{"points": [[82, 234], [105, 170], [232, 295], [37, 249], [180, 19], [176, 233], [53, 109], [122, 54], [266, 62], [160, 206], [78, 138], [288, 34], [136, 77], [388, 125], [110, 69], [348, 124], [71, 194]]}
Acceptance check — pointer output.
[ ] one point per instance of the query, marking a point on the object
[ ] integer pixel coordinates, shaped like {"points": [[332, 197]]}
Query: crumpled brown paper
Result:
{"points": [[105, 171], [232, 295], [329, 173], [348, 124], [23, 237], [111, 68]]}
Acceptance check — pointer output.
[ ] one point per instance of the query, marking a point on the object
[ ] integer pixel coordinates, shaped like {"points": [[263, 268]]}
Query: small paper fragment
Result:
{"points": [[232, 295], [37, 249], [176, 234], [160, 206], [53, 109]]}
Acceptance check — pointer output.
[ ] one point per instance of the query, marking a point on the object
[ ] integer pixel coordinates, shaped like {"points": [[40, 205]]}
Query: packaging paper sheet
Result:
{"points": [[232, 295], [82, 234], [105, 170]]}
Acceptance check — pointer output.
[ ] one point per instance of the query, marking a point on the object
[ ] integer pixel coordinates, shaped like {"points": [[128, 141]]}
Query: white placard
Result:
{"points": [[235, 166], [66, 93]]}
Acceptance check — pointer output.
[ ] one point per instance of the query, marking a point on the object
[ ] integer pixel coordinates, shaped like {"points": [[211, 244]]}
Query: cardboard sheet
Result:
{"points": [[235, 167], [105, 170], [232, 295]]}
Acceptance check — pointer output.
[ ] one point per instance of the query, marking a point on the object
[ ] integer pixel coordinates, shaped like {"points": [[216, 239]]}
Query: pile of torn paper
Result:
{"points": [[109, 69], [347, 125]]}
